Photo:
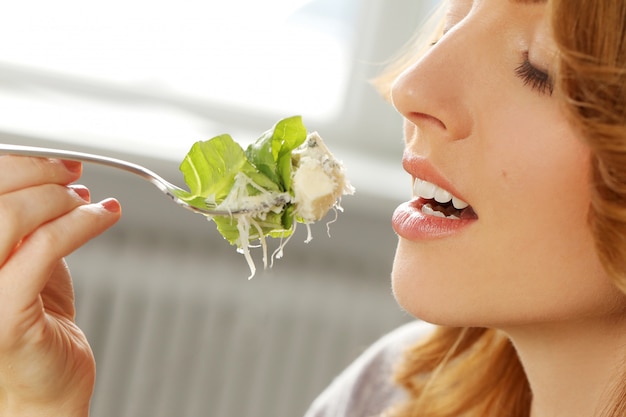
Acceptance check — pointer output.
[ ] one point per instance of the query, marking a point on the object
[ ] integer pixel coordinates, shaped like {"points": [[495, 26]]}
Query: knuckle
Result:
{"points": [[45, 169], [10, 219], [46, 239], [58, 199]]}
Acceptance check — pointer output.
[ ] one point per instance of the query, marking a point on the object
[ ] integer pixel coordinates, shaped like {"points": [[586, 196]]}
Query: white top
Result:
{"points": [[365, 388]]}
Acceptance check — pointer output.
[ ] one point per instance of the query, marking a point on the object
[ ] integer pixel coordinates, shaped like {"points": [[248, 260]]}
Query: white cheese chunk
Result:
{"points": [[318, 179]]}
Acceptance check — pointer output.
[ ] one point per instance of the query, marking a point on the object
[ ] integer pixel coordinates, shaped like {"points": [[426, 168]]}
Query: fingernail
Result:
{"points": [[111, 205], [72, 166], [82, 191]]}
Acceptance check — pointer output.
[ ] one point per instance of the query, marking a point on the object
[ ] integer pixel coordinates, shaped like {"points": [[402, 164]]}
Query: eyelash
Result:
{"points": [[533, 77], [530, 75]]}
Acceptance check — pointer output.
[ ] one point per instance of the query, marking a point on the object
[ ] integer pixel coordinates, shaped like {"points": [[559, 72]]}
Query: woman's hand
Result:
{"points": [[46, 364]]}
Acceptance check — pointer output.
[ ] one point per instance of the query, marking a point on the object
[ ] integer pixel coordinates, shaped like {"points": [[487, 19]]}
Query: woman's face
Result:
{"points": [[481, 126]]}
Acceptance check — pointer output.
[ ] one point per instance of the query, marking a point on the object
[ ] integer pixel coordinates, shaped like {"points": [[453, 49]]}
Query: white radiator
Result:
{"points": [[179, 331]]}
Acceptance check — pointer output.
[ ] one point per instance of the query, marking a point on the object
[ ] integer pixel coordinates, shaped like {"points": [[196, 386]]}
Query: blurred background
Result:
{"points": [[176, 327]]}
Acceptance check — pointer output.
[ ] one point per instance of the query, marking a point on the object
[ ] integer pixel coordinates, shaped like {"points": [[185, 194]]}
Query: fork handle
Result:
{"points": [[39, 152]]}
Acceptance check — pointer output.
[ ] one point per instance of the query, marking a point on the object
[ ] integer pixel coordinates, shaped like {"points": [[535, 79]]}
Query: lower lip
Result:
{"points": [[410, 223]]}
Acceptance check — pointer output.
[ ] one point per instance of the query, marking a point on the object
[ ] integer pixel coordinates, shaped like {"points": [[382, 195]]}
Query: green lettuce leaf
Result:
{"points": [[211, 167], [271, 153]]}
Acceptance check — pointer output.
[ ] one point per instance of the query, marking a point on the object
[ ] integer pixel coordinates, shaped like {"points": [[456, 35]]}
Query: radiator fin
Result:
{"points": [[178, 331]]}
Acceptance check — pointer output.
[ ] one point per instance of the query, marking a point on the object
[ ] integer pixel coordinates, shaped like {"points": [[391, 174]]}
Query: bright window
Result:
{"points": [[150, 77], [278, 56]]}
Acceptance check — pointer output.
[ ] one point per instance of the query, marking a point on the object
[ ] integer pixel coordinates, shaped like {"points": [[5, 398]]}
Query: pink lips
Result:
{"points": [[410, 223], [408, 219]]}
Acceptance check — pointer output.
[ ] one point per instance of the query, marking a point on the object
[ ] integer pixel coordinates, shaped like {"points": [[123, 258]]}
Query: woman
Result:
{"points": [[518, 112], [515, 127]]}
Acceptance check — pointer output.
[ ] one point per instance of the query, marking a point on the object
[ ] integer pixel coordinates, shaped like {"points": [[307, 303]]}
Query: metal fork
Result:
{"points": [[166, 187]]}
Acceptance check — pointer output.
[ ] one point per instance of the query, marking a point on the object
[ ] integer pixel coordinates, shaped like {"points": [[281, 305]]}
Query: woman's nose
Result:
{"points": [[434, 93]]}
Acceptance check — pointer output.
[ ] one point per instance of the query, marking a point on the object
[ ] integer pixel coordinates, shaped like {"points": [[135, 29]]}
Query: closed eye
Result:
{"points": [[533, 77]]}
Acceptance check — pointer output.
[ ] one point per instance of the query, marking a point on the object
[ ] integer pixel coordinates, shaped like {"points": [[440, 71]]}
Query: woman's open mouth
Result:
{"points": [[433, 200], [433, 213]]}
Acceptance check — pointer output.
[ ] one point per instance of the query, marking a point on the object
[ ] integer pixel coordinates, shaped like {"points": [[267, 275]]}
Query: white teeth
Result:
{"points": [[427, 209], [442, 196], [459, 204], [424, 189], [429, 191]]}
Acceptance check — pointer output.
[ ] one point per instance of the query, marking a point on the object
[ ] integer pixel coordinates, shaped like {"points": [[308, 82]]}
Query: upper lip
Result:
{"points": [[420, 168]]}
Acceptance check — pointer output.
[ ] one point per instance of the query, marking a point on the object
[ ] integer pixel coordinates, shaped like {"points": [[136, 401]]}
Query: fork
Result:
{"points": [[166, 187]]}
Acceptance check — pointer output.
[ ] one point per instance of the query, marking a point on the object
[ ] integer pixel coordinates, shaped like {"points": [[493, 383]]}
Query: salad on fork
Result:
{"points": [[287, 176]]}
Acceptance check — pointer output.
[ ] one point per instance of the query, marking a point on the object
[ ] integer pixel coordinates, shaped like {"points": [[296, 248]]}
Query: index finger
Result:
{"points": [[18, 172]]}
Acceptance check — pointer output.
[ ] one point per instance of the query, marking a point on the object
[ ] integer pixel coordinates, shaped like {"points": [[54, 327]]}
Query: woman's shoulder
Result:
{"points": [[365, 387]]}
